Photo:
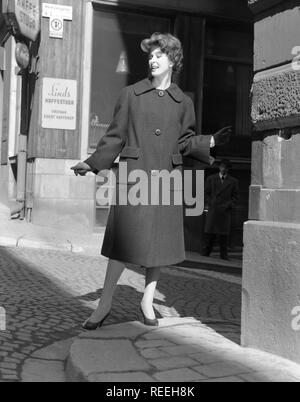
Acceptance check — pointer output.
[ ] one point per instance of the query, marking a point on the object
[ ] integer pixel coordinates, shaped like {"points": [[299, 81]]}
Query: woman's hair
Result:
{"points": [[168, 44]]}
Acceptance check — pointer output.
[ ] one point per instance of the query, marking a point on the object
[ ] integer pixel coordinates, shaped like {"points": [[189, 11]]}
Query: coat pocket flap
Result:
{"points": [[130, 152], [177, 159]]}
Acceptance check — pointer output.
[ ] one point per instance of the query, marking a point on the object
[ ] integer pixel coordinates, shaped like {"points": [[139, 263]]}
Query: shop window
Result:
{"points": [[117, 61], [227, 85]]}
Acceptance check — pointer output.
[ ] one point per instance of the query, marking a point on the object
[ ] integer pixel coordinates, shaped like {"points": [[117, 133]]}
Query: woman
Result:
{"points": [[152, 128]]}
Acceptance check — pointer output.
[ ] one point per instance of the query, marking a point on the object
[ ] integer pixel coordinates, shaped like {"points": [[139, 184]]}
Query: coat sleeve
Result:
{"points": [[192, 145], [113, 141]]}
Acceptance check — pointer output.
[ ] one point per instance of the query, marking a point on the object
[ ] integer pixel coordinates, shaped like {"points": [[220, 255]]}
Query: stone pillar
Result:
{"points": [[271, 267]]}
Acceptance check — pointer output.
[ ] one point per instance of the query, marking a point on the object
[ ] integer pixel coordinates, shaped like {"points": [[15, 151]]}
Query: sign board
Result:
{"points": [[59, 104], [26, 13], [56, 28], [55, 10], [57, 14]]}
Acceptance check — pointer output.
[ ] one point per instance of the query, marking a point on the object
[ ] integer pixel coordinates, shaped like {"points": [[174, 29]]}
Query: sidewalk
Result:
{"points": [[179, 350], [17, 233]]}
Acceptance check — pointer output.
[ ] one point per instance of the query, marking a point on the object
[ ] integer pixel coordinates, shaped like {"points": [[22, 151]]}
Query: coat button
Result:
{"points": [[158, 132], [161, 93]]}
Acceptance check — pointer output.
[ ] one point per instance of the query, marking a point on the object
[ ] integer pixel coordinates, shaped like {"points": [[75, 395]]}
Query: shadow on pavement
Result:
{"points": [[213, 301]]}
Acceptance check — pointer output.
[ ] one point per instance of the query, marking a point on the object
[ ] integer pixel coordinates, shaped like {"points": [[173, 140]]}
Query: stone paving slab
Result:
{"points": [[135, 376], [38, 370], [225, 379], [88, 357], [57, 351], [181, 374], [101, 359]]}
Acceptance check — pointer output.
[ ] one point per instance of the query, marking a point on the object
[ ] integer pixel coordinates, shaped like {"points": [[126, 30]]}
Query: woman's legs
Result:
{"points": [[152, 276], [113, 272]]}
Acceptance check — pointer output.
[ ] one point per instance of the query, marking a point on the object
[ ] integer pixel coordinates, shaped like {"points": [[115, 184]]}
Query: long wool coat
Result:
{"points": [[220, 199], [151, 130]]}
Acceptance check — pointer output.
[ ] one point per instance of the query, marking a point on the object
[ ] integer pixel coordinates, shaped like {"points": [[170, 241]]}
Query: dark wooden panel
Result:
{"points": [[58, 58]]}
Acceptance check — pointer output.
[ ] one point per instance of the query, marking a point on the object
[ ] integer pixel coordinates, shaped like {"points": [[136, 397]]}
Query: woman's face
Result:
{"points": [[159, 63]]}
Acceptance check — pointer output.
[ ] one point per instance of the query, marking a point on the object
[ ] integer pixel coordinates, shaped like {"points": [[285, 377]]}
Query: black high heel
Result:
{"points": [[148, 321], [91, 326]]}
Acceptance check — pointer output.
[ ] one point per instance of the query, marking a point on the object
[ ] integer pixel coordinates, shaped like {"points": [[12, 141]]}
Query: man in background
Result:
{"points": [[221, 196]]}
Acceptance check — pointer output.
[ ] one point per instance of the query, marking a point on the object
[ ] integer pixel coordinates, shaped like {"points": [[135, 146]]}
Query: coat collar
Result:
{"points": [[145, 85]]}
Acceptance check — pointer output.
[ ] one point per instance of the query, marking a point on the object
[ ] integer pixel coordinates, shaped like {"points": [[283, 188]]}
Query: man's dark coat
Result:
{"points": [[151, 130], [220, 199]]}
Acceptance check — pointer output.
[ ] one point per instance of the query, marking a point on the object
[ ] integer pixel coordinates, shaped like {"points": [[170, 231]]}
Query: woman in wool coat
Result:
{"points": [[152, 129]]}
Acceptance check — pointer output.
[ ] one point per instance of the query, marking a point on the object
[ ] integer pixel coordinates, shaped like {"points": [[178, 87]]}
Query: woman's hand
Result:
{"points": [[81, 169], [222, 136]]}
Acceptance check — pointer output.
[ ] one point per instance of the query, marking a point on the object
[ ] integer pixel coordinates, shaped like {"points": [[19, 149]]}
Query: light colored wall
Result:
{"points": [[271, 265], [60, 199]]}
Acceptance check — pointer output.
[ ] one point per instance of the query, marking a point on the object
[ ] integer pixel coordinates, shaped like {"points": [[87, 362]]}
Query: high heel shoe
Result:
{"points": [[91, 326], [148, 321]]}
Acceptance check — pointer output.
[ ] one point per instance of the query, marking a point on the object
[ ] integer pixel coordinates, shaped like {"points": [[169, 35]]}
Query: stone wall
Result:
{"points": [[271, 266]]}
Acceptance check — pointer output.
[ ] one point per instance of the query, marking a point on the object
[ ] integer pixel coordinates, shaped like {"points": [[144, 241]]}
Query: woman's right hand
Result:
{"points": [[81, 169]]}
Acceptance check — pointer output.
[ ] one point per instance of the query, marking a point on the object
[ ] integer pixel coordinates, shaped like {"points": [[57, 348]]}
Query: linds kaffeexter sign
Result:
{"points": [[23, 16]]}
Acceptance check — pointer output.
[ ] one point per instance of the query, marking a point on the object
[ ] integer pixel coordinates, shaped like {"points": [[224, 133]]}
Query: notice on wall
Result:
{"points": [[57, 14], [59, 104]]}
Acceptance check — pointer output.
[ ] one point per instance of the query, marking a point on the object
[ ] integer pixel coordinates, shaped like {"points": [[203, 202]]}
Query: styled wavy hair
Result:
{"points": [[168, 44]]}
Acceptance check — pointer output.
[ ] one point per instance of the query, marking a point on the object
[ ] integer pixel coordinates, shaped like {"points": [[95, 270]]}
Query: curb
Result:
{"points": [[69, 246]]}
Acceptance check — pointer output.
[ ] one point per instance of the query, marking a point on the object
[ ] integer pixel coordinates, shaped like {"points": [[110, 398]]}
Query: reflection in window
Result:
{"points": [[117, 61]]}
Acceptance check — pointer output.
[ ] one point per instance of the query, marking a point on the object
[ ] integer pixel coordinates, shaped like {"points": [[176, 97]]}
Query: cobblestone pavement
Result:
{"points": [[47, 295]]}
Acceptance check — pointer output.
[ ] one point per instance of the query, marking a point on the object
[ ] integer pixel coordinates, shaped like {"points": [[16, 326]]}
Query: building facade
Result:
{"points": [[271, 269], [94, 53]]}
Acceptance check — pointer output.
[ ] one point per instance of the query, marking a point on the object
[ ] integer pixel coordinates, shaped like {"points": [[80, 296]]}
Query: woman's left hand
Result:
{"points": [[81, 169]]}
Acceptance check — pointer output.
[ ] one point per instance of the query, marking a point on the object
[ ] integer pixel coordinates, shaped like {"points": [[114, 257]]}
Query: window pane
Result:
{"points": [[117, 61], [225, 43], [219, 95], [226, 97]]}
